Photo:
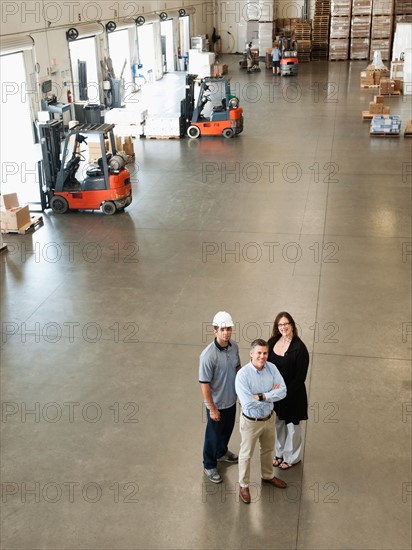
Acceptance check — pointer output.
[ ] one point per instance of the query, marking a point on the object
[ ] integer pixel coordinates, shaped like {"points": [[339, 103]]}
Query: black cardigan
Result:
{"points": [[293, 367]]}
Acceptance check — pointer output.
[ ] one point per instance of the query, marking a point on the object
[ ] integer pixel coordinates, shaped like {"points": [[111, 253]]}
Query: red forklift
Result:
{"points": [[226, 117], [289, 62], [65, 185]]}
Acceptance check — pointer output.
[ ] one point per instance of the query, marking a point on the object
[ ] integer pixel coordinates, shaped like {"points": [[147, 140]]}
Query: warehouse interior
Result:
{"points": [[305, 210]]}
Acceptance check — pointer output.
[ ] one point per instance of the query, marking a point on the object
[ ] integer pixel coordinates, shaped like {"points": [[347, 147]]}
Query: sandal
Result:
{"points": [[277, 462], [285, 466]]}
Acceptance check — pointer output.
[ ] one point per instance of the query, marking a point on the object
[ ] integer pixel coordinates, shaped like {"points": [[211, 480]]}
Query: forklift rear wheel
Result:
{"points": [[193, 132], [59, 205], [228, 133], [109, 208]]}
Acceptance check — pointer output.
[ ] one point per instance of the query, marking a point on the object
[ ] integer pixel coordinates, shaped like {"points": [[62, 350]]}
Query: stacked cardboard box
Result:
{"points": [[13, 216], [386, 86], [381, 33], [360, 29], [378, 107], [339, 29], [265, 35], [371, 76]]}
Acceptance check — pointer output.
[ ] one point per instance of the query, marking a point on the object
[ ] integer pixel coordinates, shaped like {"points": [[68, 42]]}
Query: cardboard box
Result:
{"points": [[12, 215], [398, 84], [375, 108], [387, 86], [219, 69], [379, 99], [128, 146]]}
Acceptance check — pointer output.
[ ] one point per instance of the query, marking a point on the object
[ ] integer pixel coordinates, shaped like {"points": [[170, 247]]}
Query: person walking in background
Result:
{"points": [[218, 365], [258, 386], [276, 60], [290, 355], [249, 56]]}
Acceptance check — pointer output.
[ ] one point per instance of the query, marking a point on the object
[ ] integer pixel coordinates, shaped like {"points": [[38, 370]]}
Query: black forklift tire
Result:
{"points": [[193, 132], [59, 205], [228, 133], [108, 208]]}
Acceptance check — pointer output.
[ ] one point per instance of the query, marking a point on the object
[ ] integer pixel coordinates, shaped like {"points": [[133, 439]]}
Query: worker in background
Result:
{"points": [[276, 60], [258, 385], [218, 365], [249, 57]]}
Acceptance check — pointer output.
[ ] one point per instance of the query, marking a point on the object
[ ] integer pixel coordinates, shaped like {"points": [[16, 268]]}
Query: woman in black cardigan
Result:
{"points": [[291, 357]]}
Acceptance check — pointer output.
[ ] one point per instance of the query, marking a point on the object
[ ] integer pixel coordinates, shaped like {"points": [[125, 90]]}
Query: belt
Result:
{"points": [[258, 419]]}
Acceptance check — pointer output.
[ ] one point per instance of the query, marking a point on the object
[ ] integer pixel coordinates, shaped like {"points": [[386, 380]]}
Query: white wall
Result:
{"points": [[47, 22]]}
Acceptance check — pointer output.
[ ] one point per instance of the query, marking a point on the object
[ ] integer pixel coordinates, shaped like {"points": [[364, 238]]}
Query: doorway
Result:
{"points": [[18, 151], [83, 57], [168, 54], [145, 36]]}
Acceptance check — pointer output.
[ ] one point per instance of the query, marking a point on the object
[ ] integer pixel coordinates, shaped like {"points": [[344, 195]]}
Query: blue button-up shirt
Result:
{"points": [[250, 380]]}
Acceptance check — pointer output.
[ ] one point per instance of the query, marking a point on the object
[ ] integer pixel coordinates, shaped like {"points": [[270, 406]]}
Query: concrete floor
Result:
{"points": [[104, 319]]}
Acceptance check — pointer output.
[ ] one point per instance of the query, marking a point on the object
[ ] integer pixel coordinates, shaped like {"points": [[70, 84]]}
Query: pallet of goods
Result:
{"points": [[376, 107], [303, 32], [390, 86], [372, 75], [408, 129], [385, 126], [338, 49], [16, 218]]}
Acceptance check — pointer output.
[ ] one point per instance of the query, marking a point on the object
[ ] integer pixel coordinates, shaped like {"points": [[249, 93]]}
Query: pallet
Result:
{"points": [[396, 93], [162, 137], [366, 115], [369, 85], [384, 134], [3, 248], [36, 221]]}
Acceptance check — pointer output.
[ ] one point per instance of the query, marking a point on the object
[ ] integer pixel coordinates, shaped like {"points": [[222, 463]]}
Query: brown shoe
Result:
{"points": [[245, 494], [279, 483]]}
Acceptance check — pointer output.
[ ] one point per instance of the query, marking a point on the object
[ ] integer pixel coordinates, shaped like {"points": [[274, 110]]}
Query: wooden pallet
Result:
{"points": [[384, 134], [162, 137], [34, 223], [395, 93], [369, 85], [366, 115]]}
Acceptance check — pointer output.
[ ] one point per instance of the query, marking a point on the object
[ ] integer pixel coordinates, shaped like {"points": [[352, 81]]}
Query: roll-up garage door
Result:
{"points": [[14, 44], [84, 31]]}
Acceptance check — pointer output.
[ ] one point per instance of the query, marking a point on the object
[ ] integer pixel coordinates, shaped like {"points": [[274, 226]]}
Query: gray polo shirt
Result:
{"points": [[217, 367]]}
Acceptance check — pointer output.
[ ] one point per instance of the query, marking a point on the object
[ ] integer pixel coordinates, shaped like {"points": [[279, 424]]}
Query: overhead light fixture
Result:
{"points": [[111, 26]]}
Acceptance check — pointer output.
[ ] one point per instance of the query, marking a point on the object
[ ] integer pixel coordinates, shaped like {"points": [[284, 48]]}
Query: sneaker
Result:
{"points": [[228, 457], [213, 475]]}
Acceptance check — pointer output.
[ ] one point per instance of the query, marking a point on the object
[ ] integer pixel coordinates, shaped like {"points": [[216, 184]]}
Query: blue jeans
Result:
{"points": [[217, 436]]}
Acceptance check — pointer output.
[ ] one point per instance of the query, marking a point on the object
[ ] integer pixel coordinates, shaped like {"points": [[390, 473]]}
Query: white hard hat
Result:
{"points": [[222, 319]]}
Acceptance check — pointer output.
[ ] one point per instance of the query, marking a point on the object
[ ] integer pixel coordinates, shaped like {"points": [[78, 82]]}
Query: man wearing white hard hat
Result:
{"points": [[218, 365]]}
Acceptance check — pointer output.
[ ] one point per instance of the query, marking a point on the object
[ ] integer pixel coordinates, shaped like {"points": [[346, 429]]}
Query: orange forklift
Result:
{"points": [[65, 186], [226, 117]]}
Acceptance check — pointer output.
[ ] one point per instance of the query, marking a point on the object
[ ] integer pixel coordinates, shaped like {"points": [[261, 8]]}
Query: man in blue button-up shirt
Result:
{"points": [[258, 385]]}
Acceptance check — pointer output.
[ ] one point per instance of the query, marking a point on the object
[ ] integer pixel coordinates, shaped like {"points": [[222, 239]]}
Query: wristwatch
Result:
{"points": [[260, 395]]}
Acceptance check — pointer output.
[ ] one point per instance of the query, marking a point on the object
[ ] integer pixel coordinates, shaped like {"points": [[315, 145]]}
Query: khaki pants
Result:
{"points": [[250, 433]]}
